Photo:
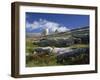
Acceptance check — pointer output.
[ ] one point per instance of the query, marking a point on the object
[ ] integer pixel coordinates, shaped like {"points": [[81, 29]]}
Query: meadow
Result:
{"points": [[65, 48], [33, 60]]}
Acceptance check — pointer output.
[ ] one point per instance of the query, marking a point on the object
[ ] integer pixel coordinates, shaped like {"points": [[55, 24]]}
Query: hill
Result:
{"points": [[74, 32]]}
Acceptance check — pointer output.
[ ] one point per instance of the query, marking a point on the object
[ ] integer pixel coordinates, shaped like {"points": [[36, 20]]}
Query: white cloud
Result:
{"points": [[52, 26], [43, 24], [62, 29], [28, 25]]}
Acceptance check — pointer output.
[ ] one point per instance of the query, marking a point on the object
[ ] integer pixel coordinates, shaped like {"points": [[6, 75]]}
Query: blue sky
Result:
{"points": [[37, 22]]}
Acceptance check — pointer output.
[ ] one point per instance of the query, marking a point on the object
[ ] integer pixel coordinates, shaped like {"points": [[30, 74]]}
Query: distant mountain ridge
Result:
{"points": [[74, 32], [77, 31], [86, 27]]}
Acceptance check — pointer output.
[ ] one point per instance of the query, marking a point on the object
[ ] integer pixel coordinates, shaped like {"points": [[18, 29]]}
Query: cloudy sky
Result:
{"points": [[37, 22]]}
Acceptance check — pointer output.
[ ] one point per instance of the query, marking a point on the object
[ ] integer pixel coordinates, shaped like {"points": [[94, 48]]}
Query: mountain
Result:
{"points": [[74, 32], [75, 36], [78, 32]]}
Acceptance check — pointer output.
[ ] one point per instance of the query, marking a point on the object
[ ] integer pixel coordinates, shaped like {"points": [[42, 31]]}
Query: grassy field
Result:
{"points": [[42, 61], [51, 60], [35, 60]]}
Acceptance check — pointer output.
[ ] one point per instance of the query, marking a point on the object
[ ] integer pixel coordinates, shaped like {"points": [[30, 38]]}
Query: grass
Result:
{"points": [[29, 46], [44, 60], [34, 61], [37, 61], [51, 60]]}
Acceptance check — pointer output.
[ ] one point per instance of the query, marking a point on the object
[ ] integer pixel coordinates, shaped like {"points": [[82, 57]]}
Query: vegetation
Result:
{"points": [[74, 40], [44, 60]]}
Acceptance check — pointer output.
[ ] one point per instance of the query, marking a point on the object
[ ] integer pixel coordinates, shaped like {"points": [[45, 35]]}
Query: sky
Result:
{"points": [[37, 22]]}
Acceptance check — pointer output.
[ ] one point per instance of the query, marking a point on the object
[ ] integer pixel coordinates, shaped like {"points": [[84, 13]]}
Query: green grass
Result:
{"points": [[34, 61], [51, 60], [29, 46], [45, 60], [37, 61]]}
